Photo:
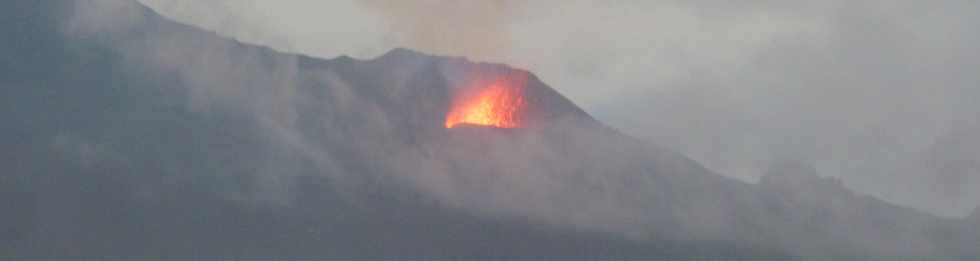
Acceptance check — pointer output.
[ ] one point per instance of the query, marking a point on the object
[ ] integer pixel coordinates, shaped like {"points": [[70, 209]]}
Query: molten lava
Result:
{"points": [[497, 105]]}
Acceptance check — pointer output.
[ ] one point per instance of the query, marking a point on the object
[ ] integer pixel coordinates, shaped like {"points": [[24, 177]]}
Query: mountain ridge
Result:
{"points": [[163, 133]]}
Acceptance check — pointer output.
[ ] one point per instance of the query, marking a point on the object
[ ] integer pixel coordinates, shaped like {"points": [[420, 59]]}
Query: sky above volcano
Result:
{"points": [[883, 94]]}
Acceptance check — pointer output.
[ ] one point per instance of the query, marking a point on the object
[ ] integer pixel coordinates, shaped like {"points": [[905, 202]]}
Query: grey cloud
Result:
{"points": [[868, 102], [870, 91]]}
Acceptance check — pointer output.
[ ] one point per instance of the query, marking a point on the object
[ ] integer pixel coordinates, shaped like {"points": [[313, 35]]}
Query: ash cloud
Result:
{"points": [[869, 91], [473, 28]]}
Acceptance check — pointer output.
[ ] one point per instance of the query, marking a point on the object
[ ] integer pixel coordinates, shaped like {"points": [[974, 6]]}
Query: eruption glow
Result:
{"points": [[497, 105]]}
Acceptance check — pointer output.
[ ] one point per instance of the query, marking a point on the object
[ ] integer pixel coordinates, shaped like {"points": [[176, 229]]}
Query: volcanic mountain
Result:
{"points": [[131, 136]]}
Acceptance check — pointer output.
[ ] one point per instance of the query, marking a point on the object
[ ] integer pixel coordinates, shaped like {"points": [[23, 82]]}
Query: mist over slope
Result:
{"points": [[134, 137]]}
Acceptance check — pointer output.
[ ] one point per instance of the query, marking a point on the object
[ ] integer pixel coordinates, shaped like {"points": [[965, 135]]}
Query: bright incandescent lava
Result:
{"points": [[497, 105]]}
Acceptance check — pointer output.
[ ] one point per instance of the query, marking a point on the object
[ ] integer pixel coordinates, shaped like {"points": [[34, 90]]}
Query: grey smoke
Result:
{"points": [[220, 75], [362, 125], [879, 93]]}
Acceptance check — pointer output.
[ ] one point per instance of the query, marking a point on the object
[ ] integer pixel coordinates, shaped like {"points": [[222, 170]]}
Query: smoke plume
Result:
{"points": [[474, 28]]}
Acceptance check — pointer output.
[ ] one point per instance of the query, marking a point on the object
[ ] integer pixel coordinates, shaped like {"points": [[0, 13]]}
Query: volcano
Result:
{"points": [[151, 139]]}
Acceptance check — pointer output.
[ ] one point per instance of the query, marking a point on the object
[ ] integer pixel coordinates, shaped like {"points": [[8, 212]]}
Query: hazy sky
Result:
{"points": [[883, 94]]}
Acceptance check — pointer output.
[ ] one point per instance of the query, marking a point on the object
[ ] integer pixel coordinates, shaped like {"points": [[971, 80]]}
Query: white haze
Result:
{"points": [[882, 94]]}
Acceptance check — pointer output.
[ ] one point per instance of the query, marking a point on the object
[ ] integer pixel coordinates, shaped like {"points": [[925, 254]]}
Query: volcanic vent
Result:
{"points": [[500, 103]]}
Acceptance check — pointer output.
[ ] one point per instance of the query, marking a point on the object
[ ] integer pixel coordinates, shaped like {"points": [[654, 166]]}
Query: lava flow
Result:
{"points": [[497, 105]]}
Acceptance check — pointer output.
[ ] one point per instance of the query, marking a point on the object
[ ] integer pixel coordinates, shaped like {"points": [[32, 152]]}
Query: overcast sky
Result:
{"points": [[882, 94]]}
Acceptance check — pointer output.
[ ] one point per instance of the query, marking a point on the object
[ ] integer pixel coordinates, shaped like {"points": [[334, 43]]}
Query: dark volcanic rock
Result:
{"points": [[144, 138]]}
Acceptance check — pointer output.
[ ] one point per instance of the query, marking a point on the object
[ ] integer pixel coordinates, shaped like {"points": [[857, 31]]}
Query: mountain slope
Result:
{"points": [[143, 138]]}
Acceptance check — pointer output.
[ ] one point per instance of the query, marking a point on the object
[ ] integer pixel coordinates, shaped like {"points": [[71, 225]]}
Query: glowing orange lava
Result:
{"points": [[496, 105]]}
